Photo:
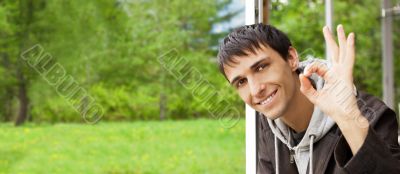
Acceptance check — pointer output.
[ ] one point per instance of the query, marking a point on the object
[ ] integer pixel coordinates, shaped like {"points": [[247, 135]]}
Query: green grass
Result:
{"points": [[194, 146]]}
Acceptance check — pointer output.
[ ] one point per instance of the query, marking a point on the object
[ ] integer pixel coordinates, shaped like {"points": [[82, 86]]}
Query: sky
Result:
{"points": [[236, 21]]}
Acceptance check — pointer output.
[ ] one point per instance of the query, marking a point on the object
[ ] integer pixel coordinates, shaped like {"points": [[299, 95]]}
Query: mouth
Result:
{"points": [[268, 99]]}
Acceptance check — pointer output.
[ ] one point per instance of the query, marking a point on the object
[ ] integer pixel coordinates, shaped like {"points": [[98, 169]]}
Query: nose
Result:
{"points": [[257, 89]]}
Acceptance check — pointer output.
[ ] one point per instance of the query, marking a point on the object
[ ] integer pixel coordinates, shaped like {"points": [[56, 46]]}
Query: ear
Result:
{"points": [[293, 58]]}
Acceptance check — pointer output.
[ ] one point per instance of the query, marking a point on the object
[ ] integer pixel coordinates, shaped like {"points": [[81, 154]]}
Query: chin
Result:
{"points": [[271, 116], [273, 113]]}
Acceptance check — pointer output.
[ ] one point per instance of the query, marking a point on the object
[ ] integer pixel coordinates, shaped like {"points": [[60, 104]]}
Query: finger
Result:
{"points": [[307, 89], [350, 51], [350, 55], [331, 44], [316, 67], [342, 43]]}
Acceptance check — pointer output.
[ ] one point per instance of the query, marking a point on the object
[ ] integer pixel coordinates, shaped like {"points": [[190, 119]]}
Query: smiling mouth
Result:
{"points": [[268, 99]]}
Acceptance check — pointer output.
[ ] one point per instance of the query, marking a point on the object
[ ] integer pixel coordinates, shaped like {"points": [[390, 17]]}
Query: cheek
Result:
{"points": [[273, 74], [244, 94], [283, 74]]}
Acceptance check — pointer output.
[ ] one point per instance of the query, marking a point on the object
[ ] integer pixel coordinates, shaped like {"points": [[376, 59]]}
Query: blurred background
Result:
{"points": [[126, 112]]}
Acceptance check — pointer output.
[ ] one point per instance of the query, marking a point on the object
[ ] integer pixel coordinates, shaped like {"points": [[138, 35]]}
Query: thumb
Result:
{"points": [[307, 89]]}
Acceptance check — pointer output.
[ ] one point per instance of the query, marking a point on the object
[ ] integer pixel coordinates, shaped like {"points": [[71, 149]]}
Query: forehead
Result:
{"points": [[243, 64]]}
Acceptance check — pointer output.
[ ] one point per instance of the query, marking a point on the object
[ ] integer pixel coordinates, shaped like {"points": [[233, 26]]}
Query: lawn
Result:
{"points": [[193, 146]]}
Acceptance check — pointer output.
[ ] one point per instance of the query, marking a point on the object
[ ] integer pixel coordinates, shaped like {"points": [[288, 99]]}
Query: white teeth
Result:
{"points": [[268, 99]]}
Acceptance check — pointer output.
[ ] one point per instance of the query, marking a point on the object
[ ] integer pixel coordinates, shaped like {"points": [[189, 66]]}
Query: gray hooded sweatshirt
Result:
{"points": [[319, 125]]}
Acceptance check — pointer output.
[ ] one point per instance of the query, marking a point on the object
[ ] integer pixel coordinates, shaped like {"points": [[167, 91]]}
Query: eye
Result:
{"points": [[261, 67], [240, 83]]}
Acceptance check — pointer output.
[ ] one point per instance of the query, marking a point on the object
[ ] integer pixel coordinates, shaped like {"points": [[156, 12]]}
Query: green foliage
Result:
{"points": [[110, 48], [303, 21]]}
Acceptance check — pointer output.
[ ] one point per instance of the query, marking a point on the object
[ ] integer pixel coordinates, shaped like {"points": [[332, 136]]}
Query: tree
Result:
{"points": [[16, 36], [110, 48]]}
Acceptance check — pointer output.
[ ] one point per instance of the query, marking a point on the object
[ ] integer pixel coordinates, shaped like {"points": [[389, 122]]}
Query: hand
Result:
{"points": [[336, 98]]}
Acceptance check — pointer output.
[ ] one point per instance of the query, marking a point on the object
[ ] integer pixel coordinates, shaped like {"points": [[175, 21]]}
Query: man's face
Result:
{"points": [[265, 81]]}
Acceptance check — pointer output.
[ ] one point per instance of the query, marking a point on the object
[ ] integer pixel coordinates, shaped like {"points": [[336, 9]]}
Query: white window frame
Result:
{"points": [[251, 135]]}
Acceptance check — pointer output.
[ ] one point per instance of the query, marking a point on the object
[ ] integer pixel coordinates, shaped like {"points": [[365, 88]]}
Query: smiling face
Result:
{"points": [[265, 81]]}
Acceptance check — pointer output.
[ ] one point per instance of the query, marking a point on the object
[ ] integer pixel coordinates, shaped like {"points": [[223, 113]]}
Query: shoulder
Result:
{"points": [[373, 108]]}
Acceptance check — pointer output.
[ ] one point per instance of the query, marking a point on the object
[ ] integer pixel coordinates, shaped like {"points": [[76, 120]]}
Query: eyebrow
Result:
{"points": [[254, 66]]}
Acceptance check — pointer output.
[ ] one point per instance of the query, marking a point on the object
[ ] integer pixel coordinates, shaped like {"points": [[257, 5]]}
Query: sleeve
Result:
{"points": [[380, 152]]}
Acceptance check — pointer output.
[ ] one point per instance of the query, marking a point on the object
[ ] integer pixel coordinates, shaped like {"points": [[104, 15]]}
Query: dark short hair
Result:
{"points": [[248, 39]]}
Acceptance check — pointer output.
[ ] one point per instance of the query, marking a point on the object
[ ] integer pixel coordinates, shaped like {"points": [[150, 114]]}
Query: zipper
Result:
{"points": [[291, 156]]}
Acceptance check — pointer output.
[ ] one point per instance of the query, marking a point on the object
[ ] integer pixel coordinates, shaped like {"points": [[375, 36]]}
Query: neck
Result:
{"points": [[299, 114]]}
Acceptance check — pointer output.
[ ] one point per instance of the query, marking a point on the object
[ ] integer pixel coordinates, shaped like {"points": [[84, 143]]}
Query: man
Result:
{"points": [[312, 118]]}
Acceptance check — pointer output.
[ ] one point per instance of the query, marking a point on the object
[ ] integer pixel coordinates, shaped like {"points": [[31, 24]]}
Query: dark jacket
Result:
{"points": [[380, 152]]}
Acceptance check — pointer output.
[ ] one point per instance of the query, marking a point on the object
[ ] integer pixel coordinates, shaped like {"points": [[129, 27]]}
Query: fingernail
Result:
{"points": [[340, 28], [327, 28], [352, 36]]}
